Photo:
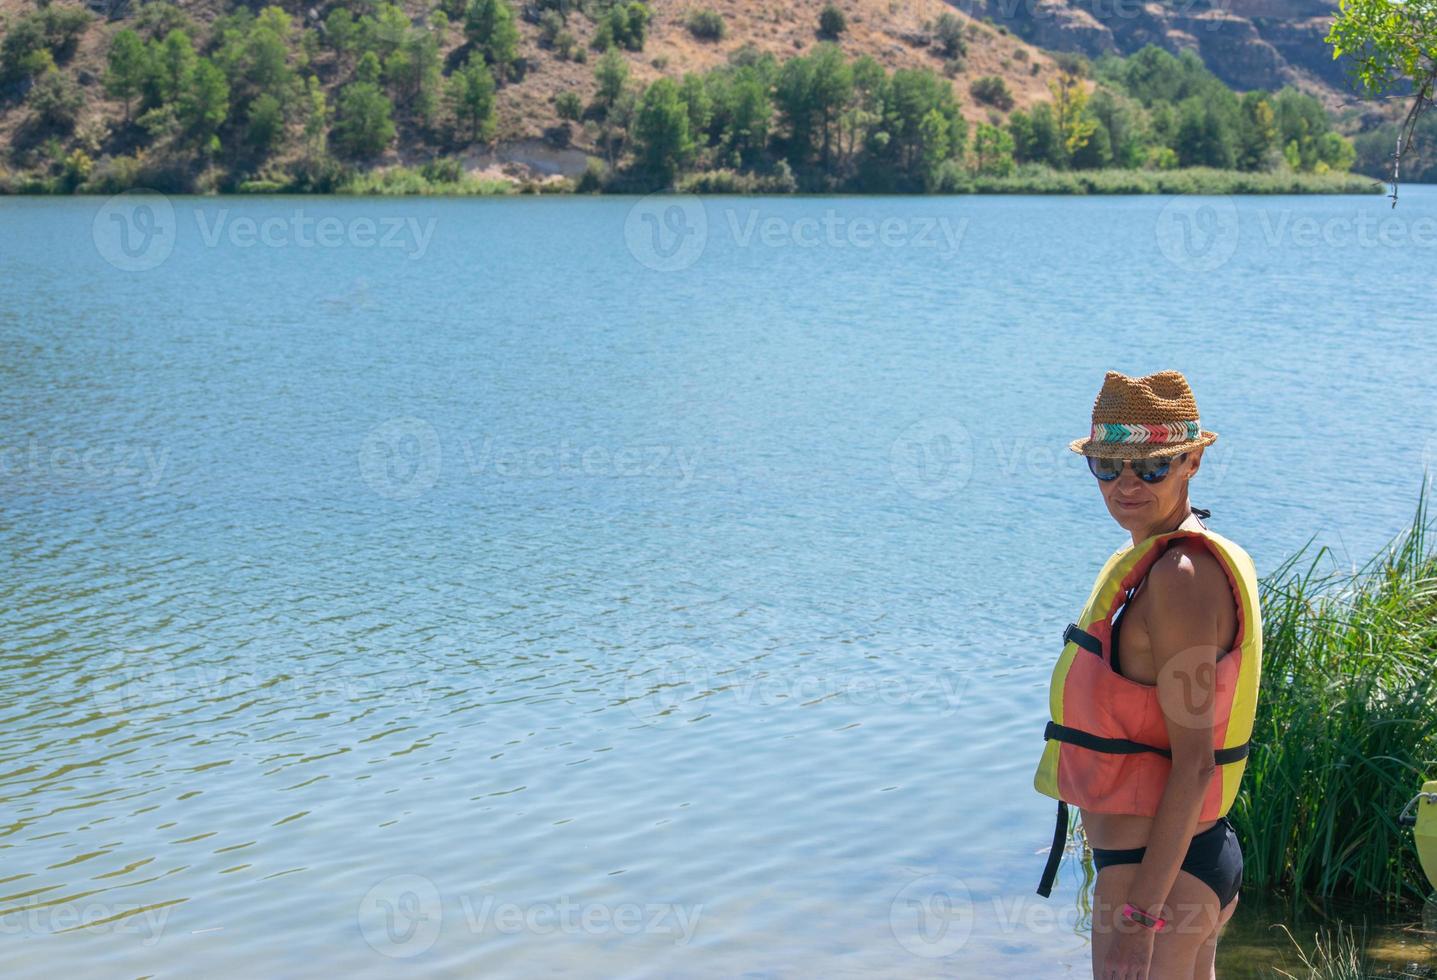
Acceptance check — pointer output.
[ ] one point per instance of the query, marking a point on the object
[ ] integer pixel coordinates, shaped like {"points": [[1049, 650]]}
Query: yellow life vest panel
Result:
{"points": [[1107, 748]]}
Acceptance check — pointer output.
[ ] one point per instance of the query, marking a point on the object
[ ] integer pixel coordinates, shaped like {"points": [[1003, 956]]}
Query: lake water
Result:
{"points": [[618, 587]]}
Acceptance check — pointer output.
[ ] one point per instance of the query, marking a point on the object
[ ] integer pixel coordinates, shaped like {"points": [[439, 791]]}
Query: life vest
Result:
{"points": [[1107, 748]]}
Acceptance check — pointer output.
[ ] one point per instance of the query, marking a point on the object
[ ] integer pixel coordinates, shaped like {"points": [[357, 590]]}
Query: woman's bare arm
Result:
{"points": [[1190, 624]]}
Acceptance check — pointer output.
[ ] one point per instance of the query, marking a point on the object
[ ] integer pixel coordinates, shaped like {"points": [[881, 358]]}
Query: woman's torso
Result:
{"points": [[1134, 658]]}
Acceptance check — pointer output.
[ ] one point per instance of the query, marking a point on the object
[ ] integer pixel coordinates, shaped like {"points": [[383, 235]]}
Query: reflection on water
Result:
{"points": [[524, 608]]}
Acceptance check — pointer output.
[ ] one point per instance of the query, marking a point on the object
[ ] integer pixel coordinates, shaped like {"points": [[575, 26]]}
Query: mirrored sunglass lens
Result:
{"points": [[1151, 470], [1105, 469]]}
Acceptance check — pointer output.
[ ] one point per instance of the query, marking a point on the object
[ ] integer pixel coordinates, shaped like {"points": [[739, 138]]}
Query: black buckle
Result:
{"points": [[1084, 639]]}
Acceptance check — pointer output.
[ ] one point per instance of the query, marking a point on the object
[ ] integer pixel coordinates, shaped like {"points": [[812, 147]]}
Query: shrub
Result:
{"points": [[592, 180], [56, 101], [949, 32], [992, 90], [364, 127], [266, 123], [568, 105], [442, 170], [707, 25], [832, 22], [551, 25]]}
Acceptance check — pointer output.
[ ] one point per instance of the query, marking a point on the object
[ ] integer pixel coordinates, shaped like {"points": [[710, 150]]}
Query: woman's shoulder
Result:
{"points": [[1188, 568]]}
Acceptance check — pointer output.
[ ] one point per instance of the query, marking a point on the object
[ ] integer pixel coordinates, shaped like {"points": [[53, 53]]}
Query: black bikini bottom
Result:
{"points": [[1214, 857]]}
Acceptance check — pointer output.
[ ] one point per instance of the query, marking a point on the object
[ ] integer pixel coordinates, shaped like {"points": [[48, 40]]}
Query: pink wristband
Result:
{"points": [[1134, 914]]}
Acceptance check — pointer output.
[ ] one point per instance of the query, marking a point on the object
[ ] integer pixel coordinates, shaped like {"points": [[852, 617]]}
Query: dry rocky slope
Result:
{"points": [[1249, 44]]}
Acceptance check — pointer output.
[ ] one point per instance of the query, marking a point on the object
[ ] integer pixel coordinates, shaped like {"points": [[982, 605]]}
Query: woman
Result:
{"points": [[1153, 697]]}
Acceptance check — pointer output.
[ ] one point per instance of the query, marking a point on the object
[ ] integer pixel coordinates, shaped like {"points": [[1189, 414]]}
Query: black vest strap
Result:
{"points": [[1084, 639], [1123, 746], [1055, 853]]}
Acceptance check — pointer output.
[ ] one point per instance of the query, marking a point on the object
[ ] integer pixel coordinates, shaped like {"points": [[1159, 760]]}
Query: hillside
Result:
{"points": [[897, 35], [1249, 44], [478, 95]]}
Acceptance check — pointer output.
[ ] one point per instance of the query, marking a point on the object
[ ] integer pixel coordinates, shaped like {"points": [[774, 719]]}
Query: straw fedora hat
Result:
{"points": [[1154, 415]]}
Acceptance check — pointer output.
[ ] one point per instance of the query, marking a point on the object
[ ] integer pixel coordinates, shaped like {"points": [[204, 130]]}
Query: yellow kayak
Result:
{"points": [[1421, 815]]}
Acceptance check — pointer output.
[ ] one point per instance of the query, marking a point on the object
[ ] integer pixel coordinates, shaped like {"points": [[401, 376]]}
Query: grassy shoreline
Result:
{"points": [[1346, 730], [415, 182]]}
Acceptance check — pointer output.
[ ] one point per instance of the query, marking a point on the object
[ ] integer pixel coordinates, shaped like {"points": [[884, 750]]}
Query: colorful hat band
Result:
{"points": [[1140, 434]]}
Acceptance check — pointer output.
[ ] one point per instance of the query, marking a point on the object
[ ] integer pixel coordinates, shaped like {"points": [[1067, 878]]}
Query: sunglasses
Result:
{"points": [[1150, 470]]}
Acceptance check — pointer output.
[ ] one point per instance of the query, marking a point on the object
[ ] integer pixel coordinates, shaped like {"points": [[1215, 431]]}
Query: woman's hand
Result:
{"points": [[1128, 954]]}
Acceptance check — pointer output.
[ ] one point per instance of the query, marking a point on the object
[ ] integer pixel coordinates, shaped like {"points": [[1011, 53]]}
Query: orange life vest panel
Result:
{"points": [[1107, 747]]}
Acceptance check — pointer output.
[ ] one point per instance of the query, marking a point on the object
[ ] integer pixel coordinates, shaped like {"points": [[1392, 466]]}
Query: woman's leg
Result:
{"points": [[1206, 966], [1191, 911]]}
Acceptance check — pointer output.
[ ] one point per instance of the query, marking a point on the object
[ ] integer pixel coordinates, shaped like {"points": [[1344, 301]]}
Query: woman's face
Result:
{"points": [[1136, 505]]}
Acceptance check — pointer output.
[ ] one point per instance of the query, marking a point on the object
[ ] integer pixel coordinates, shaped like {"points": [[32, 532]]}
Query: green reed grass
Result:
{"points": [[1346, 728], [1336, 955]]}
